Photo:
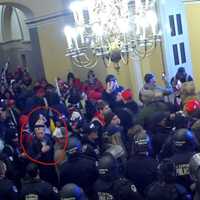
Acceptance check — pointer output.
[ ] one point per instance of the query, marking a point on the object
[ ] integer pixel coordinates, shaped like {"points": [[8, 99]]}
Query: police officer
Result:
{"points": [[184, 149], [8, 190], [72, 191], [111, 185], [141, 168], [36, 189], [194, 167], [166, 187], [90, 141], [79, 168]]}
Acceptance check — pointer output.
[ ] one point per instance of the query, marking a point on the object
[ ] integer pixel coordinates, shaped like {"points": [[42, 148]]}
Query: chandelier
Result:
{"points": [[114, 30]]}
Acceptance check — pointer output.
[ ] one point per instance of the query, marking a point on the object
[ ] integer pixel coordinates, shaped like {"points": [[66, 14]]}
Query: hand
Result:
{"points": [[45, 149]]}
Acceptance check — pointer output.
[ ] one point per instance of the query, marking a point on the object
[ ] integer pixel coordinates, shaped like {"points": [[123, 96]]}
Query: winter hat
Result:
{"points": [[181, 70], [110, 77], [127, 95], [90, 128], [76, 116], [148, 77], [192, 106], [108, 116], [23, 120], [40, 123]]}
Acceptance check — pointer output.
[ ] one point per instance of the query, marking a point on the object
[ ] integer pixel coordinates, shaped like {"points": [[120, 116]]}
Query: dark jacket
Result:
{"points": [[8, 190], [40, 189], [142, 170], [110, 98], [119, 189], [80, 170]]}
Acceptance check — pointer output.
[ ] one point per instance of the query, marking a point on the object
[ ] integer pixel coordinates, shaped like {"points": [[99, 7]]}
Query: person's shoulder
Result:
{"points": [[6, 181], [10, 185]]}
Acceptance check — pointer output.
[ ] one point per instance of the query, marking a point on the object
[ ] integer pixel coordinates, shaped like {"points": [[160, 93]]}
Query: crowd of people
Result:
{"points": [[92, 141]]}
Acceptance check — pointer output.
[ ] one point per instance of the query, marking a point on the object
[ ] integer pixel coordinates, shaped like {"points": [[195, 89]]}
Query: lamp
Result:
{"points": [[114, 30]]}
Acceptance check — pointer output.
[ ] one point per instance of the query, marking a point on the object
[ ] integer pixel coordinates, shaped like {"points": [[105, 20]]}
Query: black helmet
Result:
{"points": [[141, 144], [108, 167], [32, 170], [184, 139], [74, 146], [167, 171], [2, 145], [72, 191], [119, 154]]}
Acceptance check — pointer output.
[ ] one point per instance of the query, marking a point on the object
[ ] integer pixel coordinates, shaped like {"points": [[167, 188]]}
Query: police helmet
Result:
{"points": [[32, 170], [108, 167], [72, 191], [119, 154], [74, 146], [184, 139], [3, 169], [2, 145], [194, 166], [141, 144], [167, 170]]}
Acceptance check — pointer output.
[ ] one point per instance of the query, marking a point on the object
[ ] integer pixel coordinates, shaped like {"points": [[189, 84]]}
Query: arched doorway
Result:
{"points": [[19, 43]]}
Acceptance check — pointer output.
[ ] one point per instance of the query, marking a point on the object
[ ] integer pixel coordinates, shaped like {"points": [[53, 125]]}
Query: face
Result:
{"points": [[112, 85], [7, 95], [93, 136], [152, 81], [3, 114], [71, 81], [105, 109], [41, 94], [91, 77], [39, 133], [115, 120], [44, 83]]}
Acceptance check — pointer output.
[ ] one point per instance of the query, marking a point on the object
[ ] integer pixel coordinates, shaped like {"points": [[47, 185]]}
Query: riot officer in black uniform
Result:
{"points": [[8, 190], [184, 148], [111, 185], [35, 188], [141, 168], [194, 167], [72, 191], [166, 187], [79, 168], [90, 141]]}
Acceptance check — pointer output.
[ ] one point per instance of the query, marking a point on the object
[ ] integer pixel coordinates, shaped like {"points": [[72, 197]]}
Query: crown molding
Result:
{"points": [[46, 19]]}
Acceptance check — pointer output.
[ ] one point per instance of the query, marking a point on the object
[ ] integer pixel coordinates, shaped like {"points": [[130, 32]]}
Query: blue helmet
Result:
{"points": [[72, 191]]}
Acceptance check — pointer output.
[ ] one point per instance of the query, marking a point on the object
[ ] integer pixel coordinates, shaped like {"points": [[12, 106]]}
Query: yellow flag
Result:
{"points": [[52, 126]]}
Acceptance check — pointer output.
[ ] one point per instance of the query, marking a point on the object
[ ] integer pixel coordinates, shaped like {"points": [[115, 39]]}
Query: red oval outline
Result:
{"points": [[21, 138]]}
